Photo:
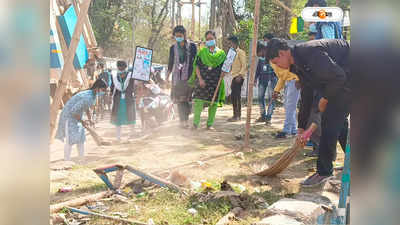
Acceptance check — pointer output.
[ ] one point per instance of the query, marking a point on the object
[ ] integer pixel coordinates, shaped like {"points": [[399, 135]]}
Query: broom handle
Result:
{"points": [[216, 90]]}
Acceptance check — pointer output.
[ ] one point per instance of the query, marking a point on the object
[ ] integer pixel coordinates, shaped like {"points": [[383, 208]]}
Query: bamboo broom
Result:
{"points": [[284, 161]]}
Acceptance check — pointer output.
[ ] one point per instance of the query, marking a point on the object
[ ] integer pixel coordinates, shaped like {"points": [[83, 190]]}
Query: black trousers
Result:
{"points": [[184, 111], [332, 125], [236, 87]]}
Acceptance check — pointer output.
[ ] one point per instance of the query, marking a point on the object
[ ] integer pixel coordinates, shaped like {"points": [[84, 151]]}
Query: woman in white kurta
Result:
{"points": [[70, 127]]}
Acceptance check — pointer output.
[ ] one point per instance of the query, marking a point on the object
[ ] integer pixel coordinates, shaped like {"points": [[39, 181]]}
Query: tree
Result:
{"points": [[157, 20]]}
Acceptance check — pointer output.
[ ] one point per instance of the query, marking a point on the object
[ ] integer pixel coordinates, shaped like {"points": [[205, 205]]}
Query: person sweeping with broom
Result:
{"points": [[70, 127], [322, 65], [205, 79]]}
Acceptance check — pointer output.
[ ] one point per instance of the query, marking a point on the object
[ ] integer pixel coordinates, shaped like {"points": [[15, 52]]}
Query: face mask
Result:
{"points": [[179, 39], [210, 43], [100, 93], [262, 58]]}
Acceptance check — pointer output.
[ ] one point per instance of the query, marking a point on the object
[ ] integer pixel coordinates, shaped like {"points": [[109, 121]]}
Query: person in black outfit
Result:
{"points": [[181, 57], [321, 65]]}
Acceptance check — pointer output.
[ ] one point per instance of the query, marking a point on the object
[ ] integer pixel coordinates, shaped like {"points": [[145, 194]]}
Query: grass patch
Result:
{"points": [[166, 207]]}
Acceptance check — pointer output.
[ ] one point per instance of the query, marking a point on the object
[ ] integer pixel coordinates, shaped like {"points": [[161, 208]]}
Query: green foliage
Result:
{"points": [[112, 22]]}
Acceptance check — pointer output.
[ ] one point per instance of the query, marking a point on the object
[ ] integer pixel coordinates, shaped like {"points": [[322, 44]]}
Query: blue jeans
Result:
{"points": [[262, 88], [292, 95]]}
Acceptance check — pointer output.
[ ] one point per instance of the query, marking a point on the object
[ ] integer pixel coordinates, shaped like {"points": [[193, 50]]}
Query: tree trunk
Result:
{"points": [[212, 15], [228, 22], [157, 23]]}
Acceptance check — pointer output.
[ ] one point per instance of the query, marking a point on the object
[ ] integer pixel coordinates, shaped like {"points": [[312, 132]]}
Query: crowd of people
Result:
{"points": [[314, 73]]}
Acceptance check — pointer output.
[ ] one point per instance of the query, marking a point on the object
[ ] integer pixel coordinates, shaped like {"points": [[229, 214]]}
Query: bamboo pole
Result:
{"points": [[68, 67], [114, 218], [88, 40], [193, 20], [251, 75], [63, 43], [200, 20], [79, 201]]}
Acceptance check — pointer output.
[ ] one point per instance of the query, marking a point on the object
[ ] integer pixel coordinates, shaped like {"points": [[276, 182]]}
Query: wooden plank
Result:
{"points": [[89, 213], [79, 201], [252, 73], [68, 67], [63, 44]]}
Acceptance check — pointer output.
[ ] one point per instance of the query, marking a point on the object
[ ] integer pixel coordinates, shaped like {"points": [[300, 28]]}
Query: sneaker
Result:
{"points": [[261, 120], [233, 119], [194, 127], [315, 180], [281, 135], [210, 128]]}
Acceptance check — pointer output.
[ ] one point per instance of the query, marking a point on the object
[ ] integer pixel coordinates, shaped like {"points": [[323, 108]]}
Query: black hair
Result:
{"points": [[268, 36], [260, 47], [274, 46], [179, 29], [320, 3], [99, 83], [210, 32], [121, 64], [234, 39], [312, 33]]}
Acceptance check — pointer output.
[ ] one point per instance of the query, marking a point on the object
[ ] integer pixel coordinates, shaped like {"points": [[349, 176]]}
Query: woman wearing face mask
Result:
{"points": [[181, 57], [70, 124], [205, 77], [123, 109]]}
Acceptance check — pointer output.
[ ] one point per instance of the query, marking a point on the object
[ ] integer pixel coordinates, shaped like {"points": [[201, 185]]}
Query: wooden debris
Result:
{"points": [[79, 201], [89, 213]]}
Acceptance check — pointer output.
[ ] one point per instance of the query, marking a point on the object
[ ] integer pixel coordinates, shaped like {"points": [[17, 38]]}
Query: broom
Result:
{"points": [[99, 141], [284, 161]]}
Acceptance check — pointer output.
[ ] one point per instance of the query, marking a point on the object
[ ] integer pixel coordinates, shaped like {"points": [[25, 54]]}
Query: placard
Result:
{"points": [[142, 64], [230, 57]]}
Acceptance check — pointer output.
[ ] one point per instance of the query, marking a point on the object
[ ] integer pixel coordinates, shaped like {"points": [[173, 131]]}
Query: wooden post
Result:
{"points": [[199, 20], [251, 75], [173, 14], [179, 17], [212, 15], [193, 21], [68, 67], [133, 32], [89, 40]]}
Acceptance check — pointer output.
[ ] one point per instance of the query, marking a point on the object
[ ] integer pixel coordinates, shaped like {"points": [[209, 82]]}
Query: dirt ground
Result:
{"points": [[199, 155]]}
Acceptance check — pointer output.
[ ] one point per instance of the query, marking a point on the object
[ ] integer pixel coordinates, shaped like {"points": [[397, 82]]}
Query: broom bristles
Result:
{"points": [[283, 162]]}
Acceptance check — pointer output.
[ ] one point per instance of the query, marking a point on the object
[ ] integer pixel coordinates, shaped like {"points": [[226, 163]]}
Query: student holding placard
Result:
{"points": [[206, 75], [123, 109], [181, 57]]}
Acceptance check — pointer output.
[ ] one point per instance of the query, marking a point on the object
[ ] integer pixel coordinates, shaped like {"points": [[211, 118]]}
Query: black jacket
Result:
{"points": [[193, 52], [322, 66]]}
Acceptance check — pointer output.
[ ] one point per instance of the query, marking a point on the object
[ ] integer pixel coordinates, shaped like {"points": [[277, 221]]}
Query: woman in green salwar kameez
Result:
{"points": [[205, 77]]}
